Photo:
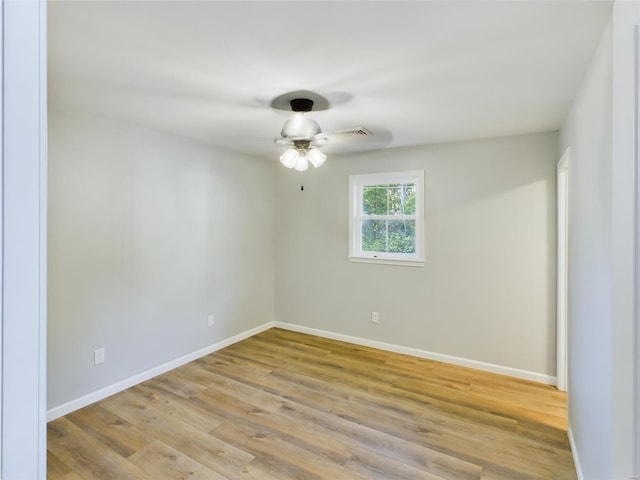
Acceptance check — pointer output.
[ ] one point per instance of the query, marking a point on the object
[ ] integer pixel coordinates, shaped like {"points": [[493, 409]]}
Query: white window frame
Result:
{"points": [[356, 186]]}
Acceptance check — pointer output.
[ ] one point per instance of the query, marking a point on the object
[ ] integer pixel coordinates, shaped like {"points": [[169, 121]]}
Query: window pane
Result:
{"points": [[374, 236], [374, 200], [402, 199], [401, 236], [389, 199], [393, 236], [409, 199], [394, 199]]}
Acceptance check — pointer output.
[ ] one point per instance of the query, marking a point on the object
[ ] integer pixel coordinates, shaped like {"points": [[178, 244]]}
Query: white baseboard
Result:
{"points": [[103, 393], [464, 362], [66, 408], [574, 453]]}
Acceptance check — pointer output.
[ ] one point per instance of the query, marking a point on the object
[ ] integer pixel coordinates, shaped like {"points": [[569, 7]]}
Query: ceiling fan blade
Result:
{"points": [[342, 136], [283, 141]]}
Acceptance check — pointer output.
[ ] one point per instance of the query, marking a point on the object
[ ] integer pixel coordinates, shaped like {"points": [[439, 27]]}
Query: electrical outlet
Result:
{"points": [[98, 356], [211, 320], [374, 317]]}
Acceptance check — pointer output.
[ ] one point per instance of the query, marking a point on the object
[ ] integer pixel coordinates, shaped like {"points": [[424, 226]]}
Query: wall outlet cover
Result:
{"points": [[98, 356]]}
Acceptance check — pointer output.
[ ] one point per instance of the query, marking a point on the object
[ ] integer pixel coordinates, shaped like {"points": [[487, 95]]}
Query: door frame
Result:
{"points": [[562, 360], [23, 254], [636, 273]]}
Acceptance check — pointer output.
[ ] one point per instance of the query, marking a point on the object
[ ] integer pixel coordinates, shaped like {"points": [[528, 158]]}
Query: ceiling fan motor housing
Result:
{"points": [[300, 128]]}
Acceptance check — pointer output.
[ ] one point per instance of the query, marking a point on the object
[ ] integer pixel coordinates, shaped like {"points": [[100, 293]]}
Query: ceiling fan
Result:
{"points": [[302, 135]]}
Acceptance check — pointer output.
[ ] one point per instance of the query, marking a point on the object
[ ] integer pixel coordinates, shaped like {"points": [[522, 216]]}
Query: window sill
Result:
{"points": [[386, 261]]}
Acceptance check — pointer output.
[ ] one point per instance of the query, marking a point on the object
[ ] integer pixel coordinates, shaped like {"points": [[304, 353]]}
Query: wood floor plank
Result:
{"points": [[236, 388], [88, 457], [175, 406], [115, 433], [376, 467], [187, 438], [284, 405], [57, 469], [288, 458], [305, 436], [166, 463], [364, 438]]}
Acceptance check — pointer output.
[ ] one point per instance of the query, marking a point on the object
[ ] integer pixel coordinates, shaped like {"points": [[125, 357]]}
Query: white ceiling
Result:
{"points": [[412, 72]]}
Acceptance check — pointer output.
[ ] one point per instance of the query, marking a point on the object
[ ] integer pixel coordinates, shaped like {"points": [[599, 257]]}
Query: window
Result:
{"points": [[386, 218]]}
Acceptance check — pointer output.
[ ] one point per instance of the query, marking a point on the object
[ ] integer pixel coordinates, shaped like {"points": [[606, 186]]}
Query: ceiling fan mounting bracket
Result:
{"points": [[307, 100], [301, 104], [301, 144]]}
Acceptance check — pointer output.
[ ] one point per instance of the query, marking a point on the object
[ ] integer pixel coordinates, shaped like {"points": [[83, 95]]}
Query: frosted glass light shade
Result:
{"points": [[316, 157], [299, 158], [301, 162], [289, 158]]}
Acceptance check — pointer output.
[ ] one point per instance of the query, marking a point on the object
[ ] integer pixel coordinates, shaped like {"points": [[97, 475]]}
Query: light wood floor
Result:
{"points": [[283, 405]]}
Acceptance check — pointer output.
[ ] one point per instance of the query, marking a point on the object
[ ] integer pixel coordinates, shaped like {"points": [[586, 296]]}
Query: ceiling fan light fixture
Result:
{"points": [[299, 158], [302, 163], [289, 158], [302, 134], [316, 157]]}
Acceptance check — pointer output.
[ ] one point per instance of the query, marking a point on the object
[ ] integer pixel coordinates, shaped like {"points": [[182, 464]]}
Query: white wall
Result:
{"points": [[487, 292], [587, 130], [149, 233], [600, 129], [624, 174]]}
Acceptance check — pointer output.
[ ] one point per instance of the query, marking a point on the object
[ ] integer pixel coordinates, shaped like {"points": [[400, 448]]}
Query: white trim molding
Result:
{"points": [[439, 357], [400, 263], [636, 272], [72, 406], [563, 270], [574, 453], [23, 452]]}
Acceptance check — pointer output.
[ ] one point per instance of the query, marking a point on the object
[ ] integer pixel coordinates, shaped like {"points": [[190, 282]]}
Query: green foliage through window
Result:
{"points": [[381, 232], [391, 199]]}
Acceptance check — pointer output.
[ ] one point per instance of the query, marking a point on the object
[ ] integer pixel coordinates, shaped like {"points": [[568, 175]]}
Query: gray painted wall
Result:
{"points": [[624, 221], [603, 353], [587, 131], [149, 233], [487, 292]]}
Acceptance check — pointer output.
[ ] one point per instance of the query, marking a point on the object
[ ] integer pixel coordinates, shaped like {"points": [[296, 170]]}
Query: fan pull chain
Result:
{"points": [[301, 182]]}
